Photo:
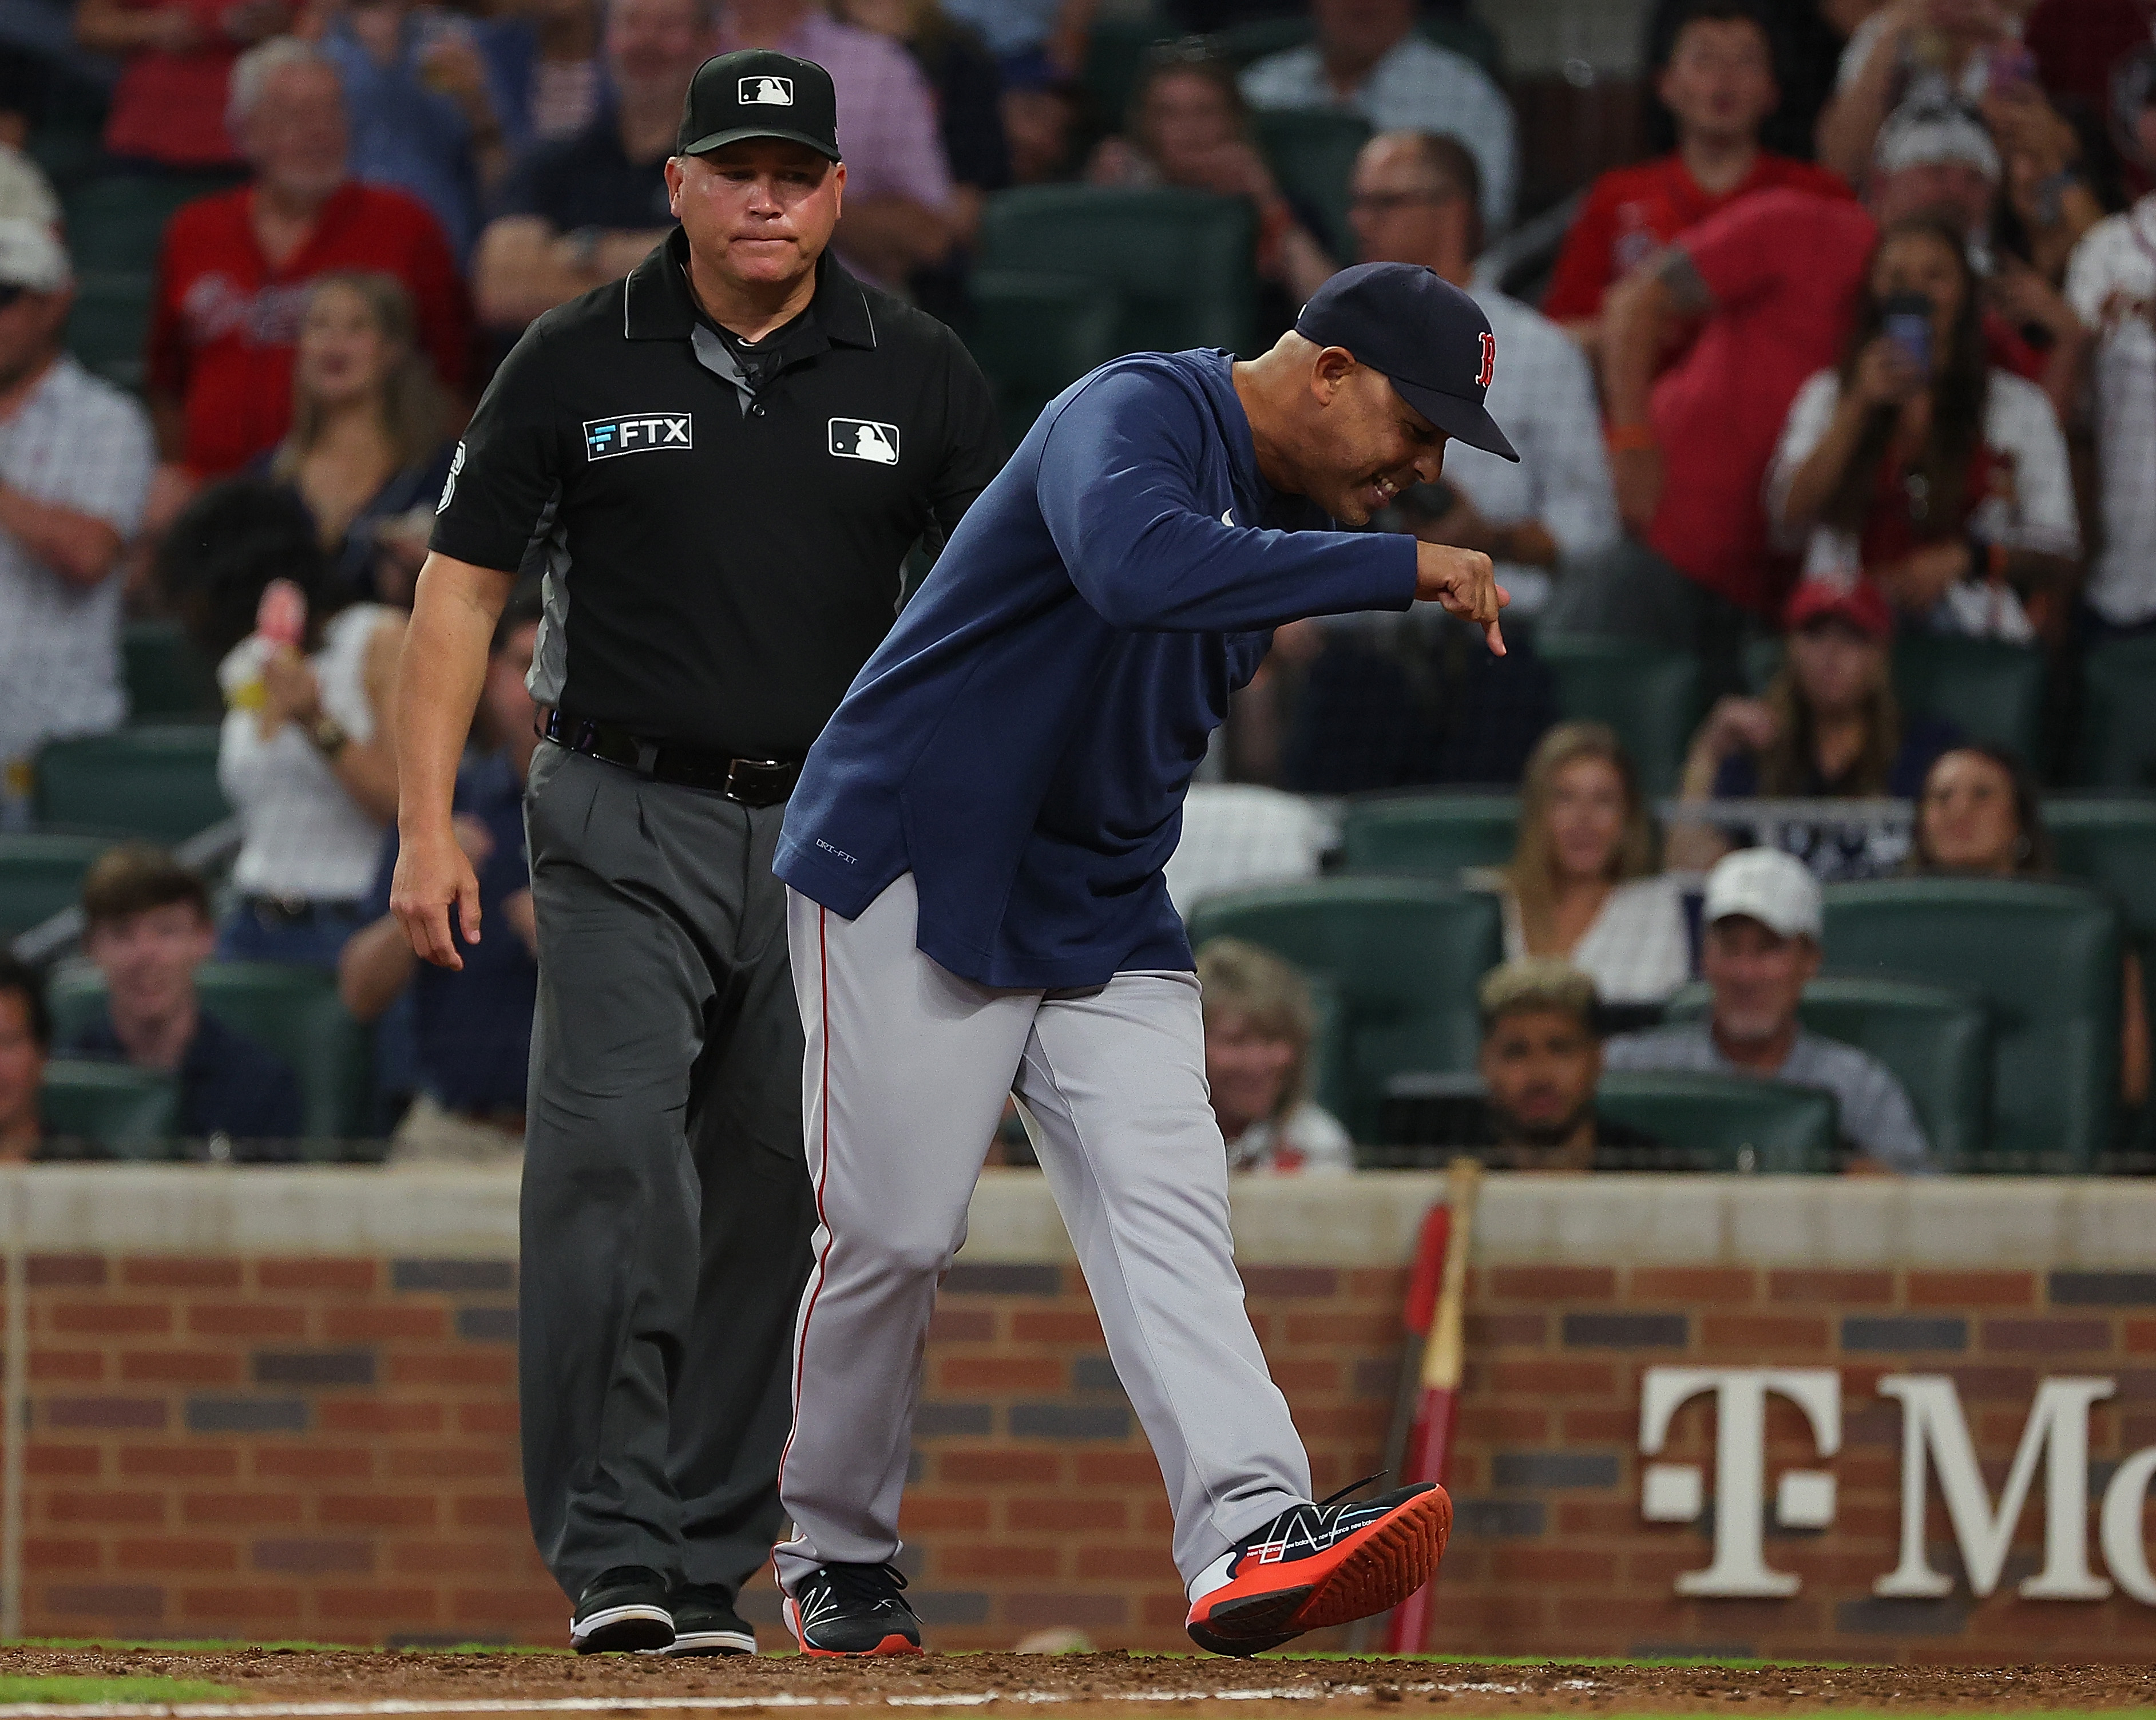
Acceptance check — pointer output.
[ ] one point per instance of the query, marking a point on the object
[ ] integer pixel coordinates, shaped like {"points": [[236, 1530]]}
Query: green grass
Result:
{"points": [[111, 1690]]}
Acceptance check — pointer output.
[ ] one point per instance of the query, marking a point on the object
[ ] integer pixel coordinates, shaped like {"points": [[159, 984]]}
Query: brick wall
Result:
{"points": [[321, 1443]]}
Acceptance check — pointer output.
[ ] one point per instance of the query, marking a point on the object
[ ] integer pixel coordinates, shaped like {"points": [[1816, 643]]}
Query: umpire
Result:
{"points": [[722, 462]]}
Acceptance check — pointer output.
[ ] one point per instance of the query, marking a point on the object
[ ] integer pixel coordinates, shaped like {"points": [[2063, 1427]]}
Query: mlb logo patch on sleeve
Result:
{"points": [[639, 433], [864, 439], [766, 92]]}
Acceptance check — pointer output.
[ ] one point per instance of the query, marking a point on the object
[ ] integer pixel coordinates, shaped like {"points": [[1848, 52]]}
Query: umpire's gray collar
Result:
{"points": [[655, 304]]}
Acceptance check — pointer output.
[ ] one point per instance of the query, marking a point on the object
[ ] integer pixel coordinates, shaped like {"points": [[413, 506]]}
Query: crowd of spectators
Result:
{"points": [[1862, 350]]}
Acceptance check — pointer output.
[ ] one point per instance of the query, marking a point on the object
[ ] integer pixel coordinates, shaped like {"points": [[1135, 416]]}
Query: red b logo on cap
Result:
{"points": [[1489, 360]]}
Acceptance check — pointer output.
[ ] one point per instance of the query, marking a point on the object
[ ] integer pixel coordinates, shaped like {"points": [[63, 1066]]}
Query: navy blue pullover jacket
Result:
{"points": [[1023, 739]]}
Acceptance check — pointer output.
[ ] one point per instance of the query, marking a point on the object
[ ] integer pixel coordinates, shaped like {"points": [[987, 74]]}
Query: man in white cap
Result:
{"points": [[75, 459], [1761, 946]]}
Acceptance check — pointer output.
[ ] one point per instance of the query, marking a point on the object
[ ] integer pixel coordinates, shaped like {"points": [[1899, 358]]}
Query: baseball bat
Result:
{"points": [[1430, 1444]]}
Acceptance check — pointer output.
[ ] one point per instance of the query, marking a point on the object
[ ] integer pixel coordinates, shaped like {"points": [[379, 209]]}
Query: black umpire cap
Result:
{"points": [[759, 93], [1417, 329]]}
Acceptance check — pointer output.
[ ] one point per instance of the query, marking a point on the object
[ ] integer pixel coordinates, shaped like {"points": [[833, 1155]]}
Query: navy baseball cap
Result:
{"points": [[1417, 329], [759, 92]]}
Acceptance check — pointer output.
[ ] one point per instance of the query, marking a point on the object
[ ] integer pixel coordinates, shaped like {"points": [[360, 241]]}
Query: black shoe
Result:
{"points": [[852, 1609], [706, 1623], [621, 1610]]}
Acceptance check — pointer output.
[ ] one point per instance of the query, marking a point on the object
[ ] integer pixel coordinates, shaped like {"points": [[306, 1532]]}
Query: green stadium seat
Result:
{"points": [[1650, 695], [1036, 334], [41, 875], [110, 1111], [108, 328], [1312, 152], [1404, 955], [2117, 746], [1182, 260], [2044, 959], [118, 221], [166, 682], [1936, 1041], [1727, 1121], [154, 782], [1115, 49], [1429, 835], [1991, 692], [2111, 843], [293, 1011]]}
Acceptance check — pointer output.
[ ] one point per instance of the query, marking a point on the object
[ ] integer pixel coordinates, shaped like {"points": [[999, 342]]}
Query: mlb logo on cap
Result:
{"points": [[767, 92], [759, 92]]}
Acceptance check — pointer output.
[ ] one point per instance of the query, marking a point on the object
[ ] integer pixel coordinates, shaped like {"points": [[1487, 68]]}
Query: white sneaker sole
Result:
{"points": [[711, 1642], [621, 1628]]}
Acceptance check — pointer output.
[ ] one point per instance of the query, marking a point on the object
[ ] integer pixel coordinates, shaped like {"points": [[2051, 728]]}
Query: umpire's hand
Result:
{"points": [[1465, 582], [435, 879]]}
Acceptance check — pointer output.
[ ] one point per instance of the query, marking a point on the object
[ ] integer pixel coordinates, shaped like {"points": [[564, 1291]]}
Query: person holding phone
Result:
{"points": [[1918, 464]]}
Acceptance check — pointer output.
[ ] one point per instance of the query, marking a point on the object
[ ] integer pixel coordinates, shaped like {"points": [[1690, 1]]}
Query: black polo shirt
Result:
{"points": [[720, 561]]}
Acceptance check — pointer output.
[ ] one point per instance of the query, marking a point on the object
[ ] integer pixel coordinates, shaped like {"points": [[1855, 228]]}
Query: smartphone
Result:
{"points": [[2013, 69], [281, 616], [1906, 319]]}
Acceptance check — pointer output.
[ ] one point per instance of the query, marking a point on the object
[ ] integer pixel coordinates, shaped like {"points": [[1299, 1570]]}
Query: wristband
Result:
{"points": [[1630, 438]]}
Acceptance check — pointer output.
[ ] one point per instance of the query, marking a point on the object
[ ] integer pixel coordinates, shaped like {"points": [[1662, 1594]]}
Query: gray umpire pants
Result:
{"points": [[906, 1075], [666, 1211]]}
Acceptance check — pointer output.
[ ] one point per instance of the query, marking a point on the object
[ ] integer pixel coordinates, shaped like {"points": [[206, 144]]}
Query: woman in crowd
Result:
{"points": [[1933, 51], [1828, 728], [369, 440], [306, 756], [1979, 816], [1919, 465], [1188, 127], [1583, 884], [1259, 1029]]}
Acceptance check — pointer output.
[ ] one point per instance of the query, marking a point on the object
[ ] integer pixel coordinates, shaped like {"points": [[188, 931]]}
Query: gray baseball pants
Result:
{"points": [[906, 1074], [666, 1212]]}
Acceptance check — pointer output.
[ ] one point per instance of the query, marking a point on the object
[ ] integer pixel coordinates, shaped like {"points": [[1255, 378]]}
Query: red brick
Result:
{"points": [[369, 1325], [1064, 1325], [1576, 1515], [1553, 1284], [1714, 1286], [376, 1510], [54, 1553], [2053, 1336], [1097, 1612], [72, 1365], [174, 1553], [139, 1511], [2138, 1336], [1866, 1289], [1600, 1427], [1484, 1330], [1303, 1378], [197, 1460], [1004, 1373], [353, 1277], [246, 1320], [180, 1368], [222, 1510], [963, 1326], [1569, 1376], [994, 1467], [1115, 1469], [44, 1460], [974, 1560], [312, 1463], [463, 1370], [369, 1416], [1484, 1420], [236, 1605], [178, 1272], [929, 1512], [70, 1271], [1295, 1282], [111, 1319], [1777, 1336], [390, 1605], [1569, 1567], [1361, 1330], [481, 1419], [450, 1463], [1097, 1516], [1972, 1290], [491, 1511], [444, 1558], [1124, 1564]]}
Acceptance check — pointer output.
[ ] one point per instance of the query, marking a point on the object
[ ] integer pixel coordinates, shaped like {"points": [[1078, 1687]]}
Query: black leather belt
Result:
{"points": [[752, 782]]}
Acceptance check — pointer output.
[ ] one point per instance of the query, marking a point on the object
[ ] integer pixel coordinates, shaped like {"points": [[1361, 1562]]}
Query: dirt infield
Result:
{"points": [[358, 1683]]}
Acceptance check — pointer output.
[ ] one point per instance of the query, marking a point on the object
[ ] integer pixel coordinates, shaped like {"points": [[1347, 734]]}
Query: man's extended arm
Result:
{"points": [[453, 615], [524, 267]]}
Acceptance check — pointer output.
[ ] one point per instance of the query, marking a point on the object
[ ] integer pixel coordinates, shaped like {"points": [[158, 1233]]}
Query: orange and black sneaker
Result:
{"points": [[847, 1609], [1315, 1565]]}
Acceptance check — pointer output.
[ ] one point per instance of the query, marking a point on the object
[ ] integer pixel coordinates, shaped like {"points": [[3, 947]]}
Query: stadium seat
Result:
{"points": [[110, 1111], [39, 875], [293, 1011], [2117, 746], [118, 221], [1725, 1121], [1430, 836], [2111, 843], [166, 682], [1649, 695], [1237, 836], [154, 782], [108, 327], [2044, 959], [1116, 47], [1182, 259], [1404, 954], [1312, 153], [1991, 692], [1936, 1041], [1035, 334]]}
